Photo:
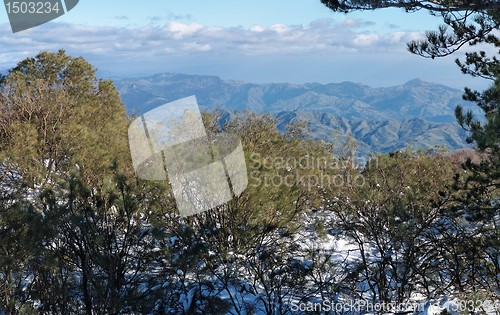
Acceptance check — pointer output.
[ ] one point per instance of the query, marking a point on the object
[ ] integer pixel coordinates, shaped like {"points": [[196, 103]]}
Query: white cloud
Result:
{"points": [[324, 36], [280, 28], [181, 30], [257, 28], [365, 40], [323, 45]]}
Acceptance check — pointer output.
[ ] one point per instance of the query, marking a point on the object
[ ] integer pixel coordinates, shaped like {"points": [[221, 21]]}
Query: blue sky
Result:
{"points": [[258, 41]]}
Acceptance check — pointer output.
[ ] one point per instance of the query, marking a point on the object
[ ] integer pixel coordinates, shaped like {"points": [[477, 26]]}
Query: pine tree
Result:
{"points": [[474, 218], [57, 117], [70, 214]]}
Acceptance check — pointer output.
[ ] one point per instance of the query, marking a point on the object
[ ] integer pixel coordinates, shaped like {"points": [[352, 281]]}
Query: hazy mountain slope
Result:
{"points": [[381, 135], [382, 119]]}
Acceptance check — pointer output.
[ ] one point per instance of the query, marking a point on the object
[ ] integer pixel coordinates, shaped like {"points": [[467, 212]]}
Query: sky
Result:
{"points": [[257, 41]]}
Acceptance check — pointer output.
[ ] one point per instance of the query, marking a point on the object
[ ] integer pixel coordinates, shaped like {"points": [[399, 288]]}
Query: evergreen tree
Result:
{"points": [[474, 220], [70, 215], [57, 117]]}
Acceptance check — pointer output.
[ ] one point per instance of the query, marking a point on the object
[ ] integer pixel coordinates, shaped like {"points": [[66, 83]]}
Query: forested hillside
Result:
{"points": [[81, 234]]}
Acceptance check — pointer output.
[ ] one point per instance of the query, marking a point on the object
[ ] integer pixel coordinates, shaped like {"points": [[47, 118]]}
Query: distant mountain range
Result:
{"points": [[417, 113]]}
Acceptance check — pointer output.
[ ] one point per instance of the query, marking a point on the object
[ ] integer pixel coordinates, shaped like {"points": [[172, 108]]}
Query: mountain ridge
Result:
{"points": [[424, 111]]}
